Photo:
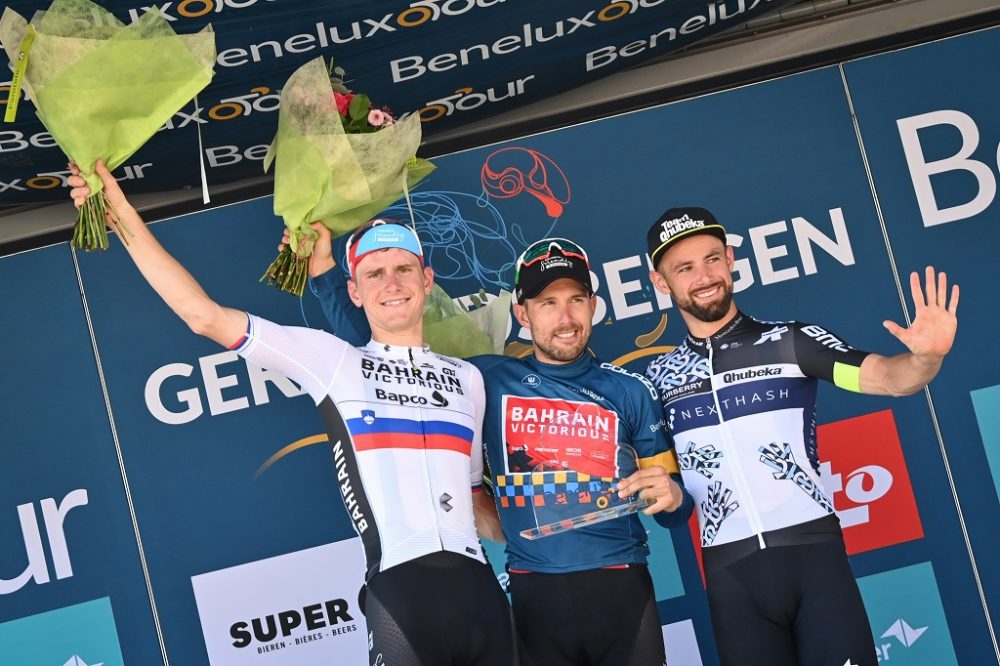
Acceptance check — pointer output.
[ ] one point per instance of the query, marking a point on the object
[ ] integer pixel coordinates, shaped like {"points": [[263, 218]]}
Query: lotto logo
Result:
{"points": [[864, 469]]}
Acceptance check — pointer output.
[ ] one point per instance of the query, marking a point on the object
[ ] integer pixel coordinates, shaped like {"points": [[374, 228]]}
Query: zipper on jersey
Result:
{"points": [[435, 501], [741, 483]]}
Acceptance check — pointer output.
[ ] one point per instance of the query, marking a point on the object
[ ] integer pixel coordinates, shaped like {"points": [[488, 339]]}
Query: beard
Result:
{"points": [[709, 312], [563, 353]]}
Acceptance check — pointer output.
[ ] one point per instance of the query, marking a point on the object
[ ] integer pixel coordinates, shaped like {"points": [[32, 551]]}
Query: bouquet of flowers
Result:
{"points": [[102, 88], [453, 331], [338, 160]]}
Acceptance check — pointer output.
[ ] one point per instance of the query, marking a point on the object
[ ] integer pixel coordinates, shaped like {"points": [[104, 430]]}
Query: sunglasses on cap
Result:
{"points": [[542, 249]]}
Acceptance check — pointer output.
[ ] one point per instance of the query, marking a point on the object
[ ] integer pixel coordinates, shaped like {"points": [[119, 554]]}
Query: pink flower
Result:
{"points": [[343, 102], [378, 118]]}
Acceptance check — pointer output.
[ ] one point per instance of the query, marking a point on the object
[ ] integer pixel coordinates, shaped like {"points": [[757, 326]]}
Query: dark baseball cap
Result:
{"points": [[677, 224], [547, 260]]}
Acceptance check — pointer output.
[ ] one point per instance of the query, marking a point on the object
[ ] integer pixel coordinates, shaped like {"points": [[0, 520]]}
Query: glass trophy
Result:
{"points": [[581, 491]]}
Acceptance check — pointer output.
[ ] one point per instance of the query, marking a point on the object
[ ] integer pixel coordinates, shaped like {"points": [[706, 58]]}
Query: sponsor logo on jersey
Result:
{"points": [[825, 338], [593, 395], [677, 369], [531, 380], [404, 374], [864, 469], [701, 459], [547, 433], [750, 373], [772, 335], [907, 618]]}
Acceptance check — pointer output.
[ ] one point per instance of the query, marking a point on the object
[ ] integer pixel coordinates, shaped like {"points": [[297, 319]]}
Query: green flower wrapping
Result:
{"points": [[102, 88], [330, 173], [452, 331]]}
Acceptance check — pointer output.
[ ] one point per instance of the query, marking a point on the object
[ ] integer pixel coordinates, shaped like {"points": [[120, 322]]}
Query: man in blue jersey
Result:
{"points": [[581, 597], [739, 397], [405, 429]]}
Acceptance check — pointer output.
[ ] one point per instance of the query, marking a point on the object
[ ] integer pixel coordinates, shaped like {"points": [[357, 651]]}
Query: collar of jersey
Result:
{"points": [[396, 350], [731, 326], [571, 369]]}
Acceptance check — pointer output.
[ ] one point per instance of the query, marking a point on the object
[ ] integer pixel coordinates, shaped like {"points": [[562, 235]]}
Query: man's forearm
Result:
{"points": [[899, 375]]}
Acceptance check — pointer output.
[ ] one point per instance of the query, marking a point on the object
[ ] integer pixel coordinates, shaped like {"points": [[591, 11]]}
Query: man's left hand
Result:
{"points": [[935, 321], [653, 483]]}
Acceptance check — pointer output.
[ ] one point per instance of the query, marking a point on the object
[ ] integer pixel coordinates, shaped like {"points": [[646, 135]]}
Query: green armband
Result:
{"points": [[847, 376]]}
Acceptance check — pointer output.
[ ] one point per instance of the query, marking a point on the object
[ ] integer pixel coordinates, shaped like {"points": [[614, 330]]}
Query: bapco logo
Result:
{"points": [[438, 400]]}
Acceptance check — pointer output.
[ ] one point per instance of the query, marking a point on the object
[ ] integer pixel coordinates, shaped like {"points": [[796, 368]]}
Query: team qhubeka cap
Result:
{"points": [[381, 234], [677, 224], [547, 260]]}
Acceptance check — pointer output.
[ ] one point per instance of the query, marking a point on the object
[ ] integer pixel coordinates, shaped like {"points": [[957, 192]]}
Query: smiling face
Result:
{"points": [[391, 286], [559, 319], [697, 273]]}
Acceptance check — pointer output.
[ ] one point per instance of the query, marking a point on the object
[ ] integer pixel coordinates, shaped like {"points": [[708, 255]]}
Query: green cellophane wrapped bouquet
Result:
{"points": [[338, 160], [103, 88], [453, 331]]}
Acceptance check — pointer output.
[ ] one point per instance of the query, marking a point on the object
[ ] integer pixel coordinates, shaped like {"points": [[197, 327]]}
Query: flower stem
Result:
{"points": [[91, 231], [288, 272]]}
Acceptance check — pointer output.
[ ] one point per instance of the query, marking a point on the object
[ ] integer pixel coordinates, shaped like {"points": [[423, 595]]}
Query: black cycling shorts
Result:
{"points": [[793, 605], [599, 617], [441, 609]]}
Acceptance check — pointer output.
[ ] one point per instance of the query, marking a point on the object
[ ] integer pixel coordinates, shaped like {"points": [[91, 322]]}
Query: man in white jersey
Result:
{"points": [[405, 425], [739, 398]]}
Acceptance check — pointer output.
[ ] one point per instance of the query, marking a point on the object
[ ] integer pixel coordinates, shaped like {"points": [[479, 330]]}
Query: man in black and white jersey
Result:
{"points": [[405, 425], [739, 397]]}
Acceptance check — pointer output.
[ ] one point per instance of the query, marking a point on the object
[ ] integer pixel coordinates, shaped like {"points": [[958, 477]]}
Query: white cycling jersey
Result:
{"points": [[741, 407], [405, 427]]}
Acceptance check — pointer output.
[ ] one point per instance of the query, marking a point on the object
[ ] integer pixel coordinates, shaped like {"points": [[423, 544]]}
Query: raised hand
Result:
{"points": [[935, 322], [80, 190], [321, 260]]}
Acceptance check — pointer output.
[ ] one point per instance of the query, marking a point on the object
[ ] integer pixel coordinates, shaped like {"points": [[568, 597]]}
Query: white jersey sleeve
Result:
{"points": [[309, 357]]}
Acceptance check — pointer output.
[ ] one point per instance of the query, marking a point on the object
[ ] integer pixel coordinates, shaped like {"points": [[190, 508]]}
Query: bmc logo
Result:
{"points": [[865, 471], [53, 515]]}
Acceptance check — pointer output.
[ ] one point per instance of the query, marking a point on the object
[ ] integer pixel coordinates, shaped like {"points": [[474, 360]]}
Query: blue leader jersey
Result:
{"points": [[569, 415], [572, 416]]}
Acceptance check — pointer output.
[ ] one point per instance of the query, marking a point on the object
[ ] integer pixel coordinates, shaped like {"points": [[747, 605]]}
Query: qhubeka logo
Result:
{"points": [[287, 628], [80, 635]]}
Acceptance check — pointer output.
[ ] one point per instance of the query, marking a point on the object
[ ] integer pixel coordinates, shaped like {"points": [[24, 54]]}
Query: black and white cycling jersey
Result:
{"points": [[741, 406]]}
